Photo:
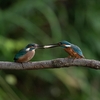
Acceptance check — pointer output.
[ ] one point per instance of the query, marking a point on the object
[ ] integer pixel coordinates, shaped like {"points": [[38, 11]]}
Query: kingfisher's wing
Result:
{"points": [[19, 54], [77, 50]]}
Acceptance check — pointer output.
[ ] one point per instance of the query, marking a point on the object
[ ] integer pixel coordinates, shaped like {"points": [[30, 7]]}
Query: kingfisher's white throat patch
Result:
{"points": [[33, 50], [67, 45], [27, 49]]}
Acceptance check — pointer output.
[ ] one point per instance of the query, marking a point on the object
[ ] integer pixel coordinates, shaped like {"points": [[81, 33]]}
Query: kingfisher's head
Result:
{"points": [[32, 46], [64, 44]]}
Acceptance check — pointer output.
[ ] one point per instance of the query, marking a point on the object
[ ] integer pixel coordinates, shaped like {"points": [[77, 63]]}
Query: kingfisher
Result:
{"points": [[73, 50], [26, 54]]}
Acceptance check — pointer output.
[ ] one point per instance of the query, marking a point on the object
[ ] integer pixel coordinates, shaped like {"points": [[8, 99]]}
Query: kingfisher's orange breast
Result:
{"points": [[28, 56], [72, 53]]}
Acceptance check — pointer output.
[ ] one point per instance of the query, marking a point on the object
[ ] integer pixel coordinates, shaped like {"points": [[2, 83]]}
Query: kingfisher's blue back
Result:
{"points": [[20, 53], [77, 49]]}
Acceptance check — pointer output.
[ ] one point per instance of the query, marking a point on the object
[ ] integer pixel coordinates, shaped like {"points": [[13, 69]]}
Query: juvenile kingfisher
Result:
{"points": [[71, 49], [26, 54]]}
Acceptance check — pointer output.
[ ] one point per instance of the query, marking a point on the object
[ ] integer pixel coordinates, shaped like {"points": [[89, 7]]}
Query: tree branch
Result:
{"points": [[55, 63]]}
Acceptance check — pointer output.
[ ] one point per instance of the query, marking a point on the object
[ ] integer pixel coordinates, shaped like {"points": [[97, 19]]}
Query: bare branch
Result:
{"points": [[54, 63]]}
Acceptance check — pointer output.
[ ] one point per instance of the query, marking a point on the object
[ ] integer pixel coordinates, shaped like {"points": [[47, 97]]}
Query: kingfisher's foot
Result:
{"points": [[71, 59], [69, 56], [22, 64]]}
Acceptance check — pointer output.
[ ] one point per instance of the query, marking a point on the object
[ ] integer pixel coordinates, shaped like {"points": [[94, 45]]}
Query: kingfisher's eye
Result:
{"points": [[31, 46], [59, 43], [63, 44]]}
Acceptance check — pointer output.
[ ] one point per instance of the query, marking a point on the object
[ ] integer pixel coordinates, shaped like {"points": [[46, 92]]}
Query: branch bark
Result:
{"points": [[54, 63]]}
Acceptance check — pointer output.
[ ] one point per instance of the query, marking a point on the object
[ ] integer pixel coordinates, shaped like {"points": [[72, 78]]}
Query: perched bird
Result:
{"points": [[26, 54], [71, 49]]}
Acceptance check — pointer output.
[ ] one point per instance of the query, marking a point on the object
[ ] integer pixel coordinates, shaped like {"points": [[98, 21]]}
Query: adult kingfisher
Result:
{"points": [[26, 54], [71, 49]]}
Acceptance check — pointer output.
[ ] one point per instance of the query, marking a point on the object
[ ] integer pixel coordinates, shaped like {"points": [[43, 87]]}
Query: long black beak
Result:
{"points": [[39, 46], [59, 44]]}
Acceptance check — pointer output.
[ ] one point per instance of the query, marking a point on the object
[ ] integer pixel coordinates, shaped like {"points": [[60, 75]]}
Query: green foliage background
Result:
{"points": [[44, 22]]}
